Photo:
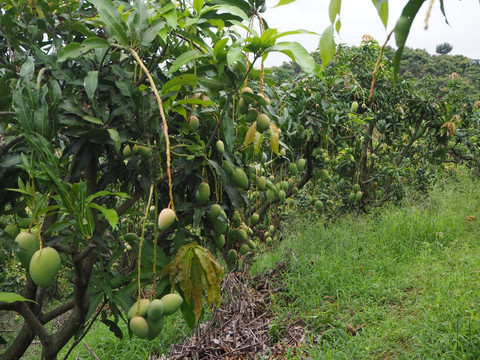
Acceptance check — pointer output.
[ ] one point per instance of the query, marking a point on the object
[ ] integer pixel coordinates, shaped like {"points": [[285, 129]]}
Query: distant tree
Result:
{"points": [[444, 48]]}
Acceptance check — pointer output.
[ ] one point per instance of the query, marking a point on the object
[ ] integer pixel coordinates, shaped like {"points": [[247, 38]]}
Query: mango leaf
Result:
{"points": [[140, 20], [171, 18], [93, 120], [185, 58], [442, 8], [115, 136], [113, 327], [90, 83], [176, 83], [284, 2], [382, 9], [40, 117], [106, 193], [23, 112], [74, 49], [9, 297], [402, 29], [43, 147], [298, 54], [229, 9], [93, 43], [152, 32], [327, 46], [198, 5], [334, 9], [252, 130], [110, 214], [234, 53], [219, 47], [196, 268], [194, 101], [113, 20]]}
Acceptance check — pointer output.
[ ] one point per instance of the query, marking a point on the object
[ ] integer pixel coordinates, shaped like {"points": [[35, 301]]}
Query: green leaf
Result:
{"points": [[90, 83], [382, 9], [442, 8], [194, 101], [43, 147], [218, 49], [115, 136], [171, 18], [334, 9], [40, 117], [176, 83], [9, 297], [184, 59], [27, 70], [23, 112], [151, 32], [106, 193], [198, 5], [113, 20], [140, 20], [229, 9], [327, 46], [113, 327], [110, 214], [93, 43], [298, 54], [234, 53], [402, 29], [93, 120], [284, 2]]}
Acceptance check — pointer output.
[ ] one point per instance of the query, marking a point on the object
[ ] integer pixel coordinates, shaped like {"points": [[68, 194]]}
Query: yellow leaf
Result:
{"points": [[196, 270], [250, 134], [274, 138]]}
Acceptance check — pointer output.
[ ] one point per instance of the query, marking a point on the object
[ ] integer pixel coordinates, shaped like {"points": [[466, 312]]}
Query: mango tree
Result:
{"points": [[138, 143]]}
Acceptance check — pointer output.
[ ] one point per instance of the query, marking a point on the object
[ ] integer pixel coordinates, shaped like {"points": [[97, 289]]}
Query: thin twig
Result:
{"points": [[90, 350], [429, 11], [164, 120], [378, 64]]}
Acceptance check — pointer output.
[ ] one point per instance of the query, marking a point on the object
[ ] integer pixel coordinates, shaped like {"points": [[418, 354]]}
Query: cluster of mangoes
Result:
{"points": [[147, 318], [251, 109], [43, 263]]}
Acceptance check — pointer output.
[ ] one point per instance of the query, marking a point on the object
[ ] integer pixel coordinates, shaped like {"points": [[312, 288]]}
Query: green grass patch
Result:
{"points": [[402, 283]]}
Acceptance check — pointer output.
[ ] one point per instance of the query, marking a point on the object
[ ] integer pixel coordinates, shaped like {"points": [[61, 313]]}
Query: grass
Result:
{"points": [[399, 284]]}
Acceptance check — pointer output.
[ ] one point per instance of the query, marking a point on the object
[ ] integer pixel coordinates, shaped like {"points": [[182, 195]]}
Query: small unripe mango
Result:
{"points": [[44, 266], [142, 309], [139, 326], [171, 303], [155, 310], [301, 164], [28, 244], [193, 122], [244, 249], [263, 123], [232, 255], [155, 327], [220, 147]]}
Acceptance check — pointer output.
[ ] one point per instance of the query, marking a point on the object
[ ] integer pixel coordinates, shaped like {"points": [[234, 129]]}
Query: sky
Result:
{"points": [[359, 17]]}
